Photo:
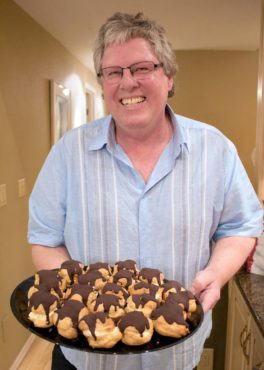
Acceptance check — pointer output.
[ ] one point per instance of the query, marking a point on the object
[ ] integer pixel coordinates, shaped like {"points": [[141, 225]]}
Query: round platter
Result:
{"points": [[19, 308]]}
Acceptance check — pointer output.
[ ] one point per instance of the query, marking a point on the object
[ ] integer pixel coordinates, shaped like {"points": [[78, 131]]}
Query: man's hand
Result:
{"points": [[227, 257], [206, 288]]}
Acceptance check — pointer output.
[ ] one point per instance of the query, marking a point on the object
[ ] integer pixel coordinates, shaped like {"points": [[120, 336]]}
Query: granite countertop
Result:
{"points": [[252, 289]]}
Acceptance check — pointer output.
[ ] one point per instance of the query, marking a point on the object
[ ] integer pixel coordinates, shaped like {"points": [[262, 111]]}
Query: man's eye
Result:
{"points": [[141, 70], [114, 73]]}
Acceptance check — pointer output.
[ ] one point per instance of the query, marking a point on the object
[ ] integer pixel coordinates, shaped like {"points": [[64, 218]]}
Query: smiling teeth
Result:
{"points": [[130, 101]]}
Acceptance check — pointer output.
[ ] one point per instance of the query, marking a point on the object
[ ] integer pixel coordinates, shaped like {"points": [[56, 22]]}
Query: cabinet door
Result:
{"points": [[258, 348], [241, 339], [239, 335]]}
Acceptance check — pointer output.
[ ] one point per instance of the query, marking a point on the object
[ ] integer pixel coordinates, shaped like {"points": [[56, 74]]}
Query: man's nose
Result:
{"points": [[127, 79]]}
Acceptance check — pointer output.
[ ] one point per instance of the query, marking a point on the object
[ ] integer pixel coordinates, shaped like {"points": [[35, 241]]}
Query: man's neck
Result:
{"points": [[144, 149]]}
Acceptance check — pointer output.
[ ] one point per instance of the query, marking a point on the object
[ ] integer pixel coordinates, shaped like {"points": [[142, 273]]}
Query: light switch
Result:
{"points": [[21, 187], [3, 198], [4, 327]]}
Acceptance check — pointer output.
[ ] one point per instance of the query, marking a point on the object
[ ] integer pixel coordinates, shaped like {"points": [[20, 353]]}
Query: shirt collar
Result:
{"points": [[105, 135], [101, 134], [179, 138]]}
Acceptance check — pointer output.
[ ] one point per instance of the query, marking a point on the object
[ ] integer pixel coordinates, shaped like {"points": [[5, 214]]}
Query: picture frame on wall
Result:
{"points": [[60, 110], [89, 102]]}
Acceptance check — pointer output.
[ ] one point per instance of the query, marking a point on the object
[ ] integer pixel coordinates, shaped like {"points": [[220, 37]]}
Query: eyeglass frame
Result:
{"points": [[155, 66]]}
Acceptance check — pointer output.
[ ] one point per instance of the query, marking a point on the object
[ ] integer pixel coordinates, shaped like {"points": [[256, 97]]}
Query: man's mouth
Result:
{"points": [[131, 101]]}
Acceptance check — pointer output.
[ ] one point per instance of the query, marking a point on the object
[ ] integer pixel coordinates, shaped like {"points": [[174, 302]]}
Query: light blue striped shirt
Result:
{"points": [[89, 197]]}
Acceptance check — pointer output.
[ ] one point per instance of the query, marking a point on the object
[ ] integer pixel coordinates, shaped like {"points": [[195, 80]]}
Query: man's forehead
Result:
{"points": [[131, 51]]}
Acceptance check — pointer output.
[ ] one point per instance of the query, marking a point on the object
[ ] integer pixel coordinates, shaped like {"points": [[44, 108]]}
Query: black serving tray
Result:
{"points": [[19, 307]]}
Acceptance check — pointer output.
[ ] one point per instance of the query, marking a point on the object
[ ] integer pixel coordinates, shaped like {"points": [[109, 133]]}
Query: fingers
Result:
{"points": [[209, 298], [197, 287], [203, 279], [206, 288]]}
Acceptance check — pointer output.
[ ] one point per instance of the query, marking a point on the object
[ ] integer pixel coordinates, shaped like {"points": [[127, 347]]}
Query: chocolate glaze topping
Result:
{"points": [[90, 277], [142, 299], [126, 265], [124, 274], [91, 320], [107, 300], [70, 309], [171, 312], [73, 268], [136, 319], [51, 279], [83, 290], [171, 284], [181, 297], [42, 287], [44, 298], [151, 287], [115, 288], [149, 273]]}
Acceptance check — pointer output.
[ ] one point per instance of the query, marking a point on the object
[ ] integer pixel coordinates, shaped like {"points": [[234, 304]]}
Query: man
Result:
{"points": [[146, 184]]}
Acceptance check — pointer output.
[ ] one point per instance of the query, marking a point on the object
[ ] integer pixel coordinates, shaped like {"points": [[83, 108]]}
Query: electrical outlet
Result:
{"points": [[4, 320], [3, 198], [21, 187], [207, 360]]}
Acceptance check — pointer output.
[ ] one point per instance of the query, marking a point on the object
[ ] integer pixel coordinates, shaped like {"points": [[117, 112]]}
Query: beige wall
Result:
{"points": [[220, 88], [29, 58]]}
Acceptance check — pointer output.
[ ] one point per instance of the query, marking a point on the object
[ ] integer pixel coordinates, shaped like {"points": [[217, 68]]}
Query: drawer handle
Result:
{"points": [[241, 336], [245, 347]]}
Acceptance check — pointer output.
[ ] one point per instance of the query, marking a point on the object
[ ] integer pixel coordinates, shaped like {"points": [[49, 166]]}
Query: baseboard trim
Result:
{"points": [[23, 352]]}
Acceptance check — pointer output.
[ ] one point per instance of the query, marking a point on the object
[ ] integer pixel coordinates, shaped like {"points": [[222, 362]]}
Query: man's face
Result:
{"points": [[135, 103]]}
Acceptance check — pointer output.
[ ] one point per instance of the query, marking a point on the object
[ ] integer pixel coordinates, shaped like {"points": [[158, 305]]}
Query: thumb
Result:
{"points": [[201, 281], [197, 287]]}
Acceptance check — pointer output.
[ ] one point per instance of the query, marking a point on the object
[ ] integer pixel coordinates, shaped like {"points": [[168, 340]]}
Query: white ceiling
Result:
{"points": [[190, 24]]}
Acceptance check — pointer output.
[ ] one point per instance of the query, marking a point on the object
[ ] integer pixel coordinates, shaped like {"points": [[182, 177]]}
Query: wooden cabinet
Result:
{"points": [[257, 349], [245, 343]]}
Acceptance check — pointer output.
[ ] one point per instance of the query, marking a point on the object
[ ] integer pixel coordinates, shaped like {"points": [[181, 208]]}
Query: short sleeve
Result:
{"points": [[257, 266], [242, 213], [47, 203]]}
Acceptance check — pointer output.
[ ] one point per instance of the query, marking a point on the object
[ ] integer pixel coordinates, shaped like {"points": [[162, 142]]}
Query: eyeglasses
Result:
{"points": [[139, 71]]}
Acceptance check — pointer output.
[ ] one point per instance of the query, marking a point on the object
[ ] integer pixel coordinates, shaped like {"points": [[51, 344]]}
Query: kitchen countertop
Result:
{"points": [[252, 289]]}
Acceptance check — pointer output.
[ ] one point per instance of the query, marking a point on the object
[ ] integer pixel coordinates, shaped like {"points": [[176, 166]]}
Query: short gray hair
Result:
{"points": [[122, 27]]}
